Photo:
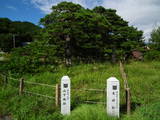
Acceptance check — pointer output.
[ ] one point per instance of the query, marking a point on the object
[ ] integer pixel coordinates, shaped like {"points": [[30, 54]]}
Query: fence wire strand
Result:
{"points": [[93, 102], [37, 94], [33, 83], [96, 90]]}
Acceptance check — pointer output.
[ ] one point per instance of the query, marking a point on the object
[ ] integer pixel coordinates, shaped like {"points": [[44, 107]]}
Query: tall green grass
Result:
{"points": [[89, 112], [146, 112], [143, 78]]}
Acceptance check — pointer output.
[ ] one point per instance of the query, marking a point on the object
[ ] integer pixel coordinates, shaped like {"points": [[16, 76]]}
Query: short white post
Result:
{"points": [[65, 95], [113, 91]]}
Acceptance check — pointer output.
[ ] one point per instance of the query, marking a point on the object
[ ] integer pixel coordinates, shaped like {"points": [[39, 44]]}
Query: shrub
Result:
{"points": [[152, 55], [35, 57]]}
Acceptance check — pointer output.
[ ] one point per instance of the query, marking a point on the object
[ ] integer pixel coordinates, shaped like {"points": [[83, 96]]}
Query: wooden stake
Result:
{"points": [[127, 89], [21, 86], [57, 95], [124, 76], [128, 101]]}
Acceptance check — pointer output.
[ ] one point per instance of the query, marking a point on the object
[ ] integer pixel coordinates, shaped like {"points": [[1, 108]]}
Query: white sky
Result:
{"points": [[143, 14]]}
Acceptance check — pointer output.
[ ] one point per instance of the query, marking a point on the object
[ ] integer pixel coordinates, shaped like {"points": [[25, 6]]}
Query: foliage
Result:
{"points": [[155, 39], [154, 46], [78, 33], [20, 31], [152, 55], [96, 34], [32, 58], [83, 27], [6, 41], [122, 38]]}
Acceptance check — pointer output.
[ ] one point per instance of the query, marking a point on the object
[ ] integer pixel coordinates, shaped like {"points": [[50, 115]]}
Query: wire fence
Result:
{"points": [[37, 94], [23, 83], [96, 90]]}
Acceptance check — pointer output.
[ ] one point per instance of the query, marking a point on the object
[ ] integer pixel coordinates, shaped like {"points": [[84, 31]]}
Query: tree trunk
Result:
{"points": [[113, 55], [68, 54]]}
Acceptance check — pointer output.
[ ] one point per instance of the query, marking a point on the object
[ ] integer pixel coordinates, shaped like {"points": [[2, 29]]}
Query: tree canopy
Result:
{"points": [[69, 33], [95, 34], [83, 28], [122, 38], [77, 34]]}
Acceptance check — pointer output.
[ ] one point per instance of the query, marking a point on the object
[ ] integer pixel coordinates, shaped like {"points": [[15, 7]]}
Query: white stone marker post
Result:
{"points": [[65, 95], [113, 91]]}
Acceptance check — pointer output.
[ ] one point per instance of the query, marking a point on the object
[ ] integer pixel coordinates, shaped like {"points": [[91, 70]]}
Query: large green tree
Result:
{"points": [[83, 33], [77, 32]]}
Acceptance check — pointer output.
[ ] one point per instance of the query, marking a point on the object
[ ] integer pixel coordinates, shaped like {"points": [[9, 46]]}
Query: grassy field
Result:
{"points": [[143, 78]]}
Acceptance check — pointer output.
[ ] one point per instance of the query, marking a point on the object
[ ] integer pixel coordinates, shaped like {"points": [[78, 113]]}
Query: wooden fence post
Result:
{"points": [[128, 101], [127, 89], [57, 95], [21, 86]]}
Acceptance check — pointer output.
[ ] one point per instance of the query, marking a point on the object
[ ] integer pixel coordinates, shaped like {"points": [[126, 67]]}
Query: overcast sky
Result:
{"points": [[143, 14]]}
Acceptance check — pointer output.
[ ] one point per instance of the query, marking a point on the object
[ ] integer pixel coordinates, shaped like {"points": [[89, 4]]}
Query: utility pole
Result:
{"points": [[14, 40]]}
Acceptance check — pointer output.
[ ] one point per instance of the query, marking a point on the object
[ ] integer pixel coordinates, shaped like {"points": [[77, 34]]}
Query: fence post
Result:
{"points": [[127, 89], [113, 91], [21, 86], [57, 95], [128, 101], [65, 95]]}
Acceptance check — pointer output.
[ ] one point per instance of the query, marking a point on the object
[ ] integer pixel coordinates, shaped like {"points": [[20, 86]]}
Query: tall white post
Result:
{"points": [[65, 95], [113, 90]]}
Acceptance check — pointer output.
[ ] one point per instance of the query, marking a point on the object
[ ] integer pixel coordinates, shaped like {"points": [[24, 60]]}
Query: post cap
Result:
{"points": [[113, 79]]}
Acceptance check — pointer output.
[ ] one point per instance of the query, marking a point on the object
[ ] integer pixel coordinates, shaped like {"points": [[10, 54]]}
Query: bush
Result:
{"points": [[33, 58], [152, 55]]}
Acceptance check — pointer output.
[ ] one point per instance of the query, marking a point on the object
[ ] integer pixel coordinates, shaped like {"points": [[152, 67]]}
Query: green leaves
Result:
{"points": [[155, 38], [32, 58], [120, 36], [85, 28], [16, 32], [89, 32]]}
